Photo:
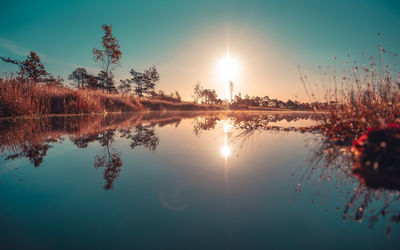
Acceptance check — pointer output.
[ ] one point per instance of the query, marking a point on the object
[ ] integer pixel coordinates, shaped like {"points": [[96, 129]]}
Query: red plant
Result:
{"points": [[377, 156]]}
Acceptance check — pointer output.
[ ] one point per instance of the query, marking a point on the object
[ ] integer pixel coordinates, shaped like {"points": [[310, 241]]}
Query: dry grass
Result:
{"points": [[20, 98], [363, 96], [30, 99], [360, 154]]}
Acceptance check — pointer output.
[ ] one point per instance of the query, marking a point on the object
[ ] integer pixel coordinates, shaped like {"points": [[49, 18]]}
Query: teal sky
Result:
{"points": [[185, 39]]}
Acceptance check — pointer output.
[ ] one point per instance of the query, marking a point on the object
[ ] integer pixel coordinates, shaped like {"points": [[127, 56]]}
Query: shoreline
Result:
{"points": [[22, 117]]}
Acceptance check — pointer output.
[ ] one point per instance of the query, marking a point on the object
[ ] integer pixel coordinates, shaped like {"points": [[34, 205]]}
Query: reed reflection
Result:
{"points": [[368, 179]]}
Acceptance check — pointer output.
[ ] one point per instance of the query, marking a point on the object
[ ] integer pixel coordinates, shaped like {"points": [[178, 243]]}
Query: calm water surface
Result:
{"points": [[184, 181]]}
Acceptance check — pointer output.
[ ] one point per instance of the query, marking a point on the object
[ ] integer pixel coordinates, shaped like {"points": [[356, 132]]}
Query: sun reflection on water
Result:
{"points": [[227, 127], [225, 150]]}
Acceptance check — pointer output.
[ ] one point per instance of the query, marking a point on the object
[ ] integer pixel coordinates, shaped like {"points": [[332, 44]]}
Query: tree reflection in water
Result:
{"points": [[32, 138], [141, 136], [35, 153], [109, 158], [369, 196], [203, 124]]}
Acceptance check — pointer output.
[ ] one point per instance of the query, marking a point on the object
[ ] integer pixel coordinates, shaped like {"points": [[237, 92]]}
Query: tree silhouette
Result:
{"points": [[138, 80], [198, 89], [31, 68], [125, 86], [151, 77], [202, 95], [209, 96], [144, 82], [105, 81], [80, 76]]}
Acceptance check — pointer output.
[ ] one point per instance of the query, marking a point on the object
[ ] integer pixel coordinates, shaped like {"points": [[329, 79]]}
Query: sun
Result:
{"points": [[228, 68]]}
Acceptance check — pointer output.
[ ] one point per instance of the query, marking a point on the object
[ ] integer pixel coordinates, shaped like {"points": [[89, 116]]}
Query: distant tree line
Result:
{"points": [[205, 96], [209, 96], [267, 102]]}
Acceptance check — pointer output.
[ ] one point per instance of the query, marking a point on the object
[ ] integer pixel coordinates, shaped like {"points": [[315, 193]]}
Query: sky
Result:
{"points": [[186, 39]]}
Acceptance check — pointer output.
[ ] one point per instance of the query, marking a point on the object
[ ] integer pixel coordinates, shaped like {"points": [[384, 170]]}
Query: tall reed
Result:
{"points": [[363, 96]]}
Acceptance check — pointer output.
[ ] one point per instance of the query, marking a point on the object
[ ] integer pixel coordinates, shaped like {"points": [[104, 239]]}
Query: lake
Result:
{"points": [[178, 180]]}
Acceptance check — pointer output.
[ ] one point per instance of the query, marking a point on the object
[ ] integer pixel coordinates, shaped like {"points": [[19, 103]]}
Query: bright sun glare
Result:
{"points": [[228, 70]]}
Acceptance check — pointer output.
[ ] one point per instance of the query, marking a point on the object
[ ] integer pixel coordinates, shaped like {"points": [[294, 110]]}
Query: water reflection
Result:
{"points": [[371, 193], [227, 127], [225, 150], [369, 196], [32, 138], [35, 153], [109, 158]]}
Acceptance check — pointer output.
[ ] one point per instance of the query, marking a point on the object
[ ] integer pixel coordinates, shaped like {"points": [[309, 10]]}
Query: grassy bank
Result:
{"points": [[30, 99], [20, 98]]}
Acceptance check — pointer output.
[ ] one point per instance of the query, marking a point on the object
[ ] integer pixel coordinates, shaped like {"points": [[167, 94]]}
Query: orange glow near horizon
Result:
{"points": [[256, 65]]}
